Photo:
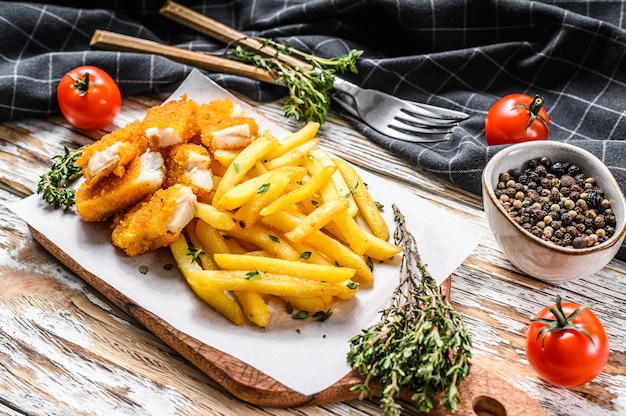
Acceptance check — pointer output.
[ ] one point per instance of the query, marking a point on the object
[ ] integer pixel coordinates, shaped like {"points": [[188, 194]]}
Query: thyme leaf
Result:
{"points": [[53, 185], [309, 91], [420, 345]]}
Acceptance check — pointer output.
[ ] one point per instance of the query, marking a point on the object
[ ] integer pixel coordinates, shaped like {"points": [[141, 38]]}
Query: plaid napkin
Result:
{"points": [[461, 54]]}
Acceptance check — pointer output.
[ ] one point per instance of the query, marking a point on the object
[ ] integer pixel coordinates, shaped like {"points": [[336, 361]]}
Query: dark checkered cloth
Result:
{"points": [[461, 54]]}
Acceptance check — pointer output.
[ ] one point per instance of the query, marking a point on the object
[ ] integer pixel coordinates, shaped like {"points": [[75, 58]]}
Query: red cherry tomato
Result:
{"points": [[89, 98], [517, 118], [566, 344]]}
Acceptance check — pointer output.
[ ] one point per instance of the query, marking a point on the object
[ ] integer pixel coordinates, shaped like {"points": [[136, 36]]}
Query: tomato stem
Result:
{"points": [[533, 111], [561, 323], [81, 84]]}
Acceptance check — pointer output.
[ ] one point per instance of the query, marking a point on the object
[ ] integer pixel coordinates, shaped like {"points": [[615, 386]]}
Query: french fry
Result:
{"points": [[367, 207], [331, 274], [266, 239], [254, 307], [205, 259], [307, 190], [214, 217], [380, 249], [317, 219], [340, 185], [330, 247], [292, 157], [240, 194], [306, 133], [244, 161], [348, 289], [250, 212], [216, 298], [211, 238], [225, 157], [265, 283], [352, 232], [309, 304]]}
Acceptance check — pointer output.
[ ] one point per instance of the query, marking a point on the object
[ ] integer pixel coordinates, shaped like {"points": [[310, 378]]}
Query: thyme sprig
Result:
{"points": [[309, 90], [420, 345], [53, 185]]}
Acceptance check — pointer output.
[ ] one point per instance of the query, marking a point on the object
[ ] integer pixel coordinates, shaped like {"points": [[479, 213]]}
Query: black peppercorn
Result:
{"points": [[557, 202]]}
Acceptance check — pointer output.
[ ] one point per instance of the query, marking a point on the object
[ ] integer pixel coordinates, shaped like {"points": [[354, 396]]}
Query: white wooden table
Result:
{"points": [[66, 350]]}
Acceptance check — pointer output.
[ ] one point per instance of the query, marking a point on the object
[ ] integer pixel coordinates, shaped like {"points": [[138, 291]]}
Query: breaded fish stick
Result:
{"points": [[99, 201], [156, 222], [113, 152], [173, 122], [190, 164]]}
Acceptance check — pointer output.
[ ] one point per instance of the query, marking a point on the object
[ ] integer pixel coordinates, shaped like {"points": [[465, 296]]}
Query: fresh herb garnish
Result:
{"points": [[194, 253], [300, 315], [53, 185], [322, 316], [420, 345], [263, 188], [309, 90], [252, 275]]}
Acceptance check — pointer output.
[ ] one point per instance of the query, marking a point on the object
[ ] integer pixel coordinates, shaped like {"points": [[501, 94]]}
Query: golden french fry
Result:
{"points": [[225, 157], [216, 298], [219, 301], [352, 232], [340, 186], [244, 161], [254, 307], [330, 247], [299, 194], [205, 259], [292, 157], [306, 133], [266, 239], [317, 219], [240, 194], [309, 304], [330, 274], [214, 217], [180, 251], [211, 238], [367, 206], [380, 249], [349, 288], [265, 283], [250, 212]]}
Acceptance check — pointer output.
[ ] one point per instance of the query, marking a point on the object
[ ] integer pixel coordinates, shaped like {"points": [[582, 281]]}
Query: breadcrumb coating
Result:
{"points": [[156, 222], [113, 152], [190, 164], [170, 123], [100, 200], [222, 114]]}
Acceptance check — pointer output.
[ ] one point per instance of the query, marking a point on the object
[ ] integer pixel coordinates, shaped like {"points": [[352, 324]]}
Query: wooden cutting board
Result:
{"points": [[482, 393]]}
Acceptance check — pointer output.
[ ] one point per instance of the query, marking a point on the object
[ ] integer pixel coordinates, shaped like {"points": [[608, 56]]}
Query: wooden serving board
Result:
{"points": [[482, 393]]}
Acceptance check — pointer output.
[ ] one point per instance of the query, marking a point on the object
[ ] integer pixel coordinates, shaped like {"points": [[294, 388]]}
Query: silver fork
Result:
{"points": [[385, 113], [395, 117]]}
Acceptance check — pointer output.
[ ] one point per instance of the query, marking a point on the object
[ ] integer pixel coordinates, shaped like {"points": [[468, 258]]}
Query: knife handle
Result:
{"points": [[226, 33], [114, 41]]}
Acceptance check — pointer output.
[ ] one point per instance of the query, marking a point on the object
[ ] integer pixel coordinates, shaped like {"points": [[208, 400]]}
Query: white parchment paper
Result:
{"points": [[306, 356]]}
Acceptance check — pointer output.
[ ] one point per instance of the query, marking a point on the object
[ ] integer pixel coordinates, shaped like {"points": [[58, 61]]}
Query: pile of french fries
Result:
{"points": [[287, 220]]}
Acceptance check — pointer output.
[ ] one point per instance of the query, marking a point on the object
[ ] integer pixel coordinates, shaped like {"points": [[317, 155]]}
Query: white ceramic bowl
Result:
{"points": [[542, 259]]}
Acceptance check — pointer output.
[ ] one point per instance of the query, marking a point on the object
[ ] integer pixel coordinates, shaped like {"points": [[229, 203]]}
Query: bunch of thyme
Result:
{"points": [[53, 185], [309, 90], [420, 346]]}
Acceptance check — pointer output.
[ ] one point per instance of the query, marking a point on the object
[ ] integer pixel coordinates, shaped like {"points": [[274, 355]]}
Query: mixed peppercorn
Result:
{"points": [[557, 202]]}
